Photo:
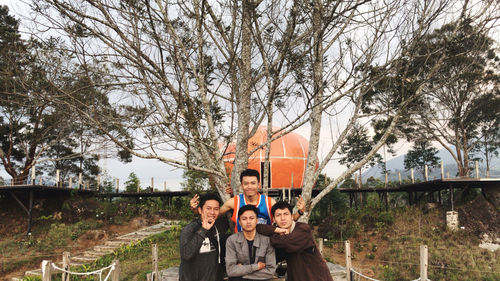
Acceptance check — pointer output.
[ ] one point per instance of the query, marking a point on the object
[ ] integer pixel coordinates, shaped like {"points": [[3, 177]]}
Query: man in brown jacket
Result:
{"points": [[304, 261]]}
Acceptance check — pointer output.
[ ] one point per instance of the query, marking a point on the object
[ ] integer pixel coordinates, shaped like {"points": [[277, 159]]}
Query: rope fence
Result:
{"points": [[49, 268], [358, 276], [113, 270], [354, 275]]}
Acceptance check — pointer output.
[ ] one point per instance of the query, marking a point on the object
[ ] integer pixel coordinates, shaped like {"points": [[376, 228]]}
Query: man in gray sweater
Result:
{"points": [[201, 244], [249, 255]]}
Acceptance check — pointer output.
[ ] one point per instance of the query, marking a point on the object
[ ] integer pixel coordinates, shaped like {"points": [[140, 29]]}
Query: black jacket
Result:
{"points": [[202, 261]]}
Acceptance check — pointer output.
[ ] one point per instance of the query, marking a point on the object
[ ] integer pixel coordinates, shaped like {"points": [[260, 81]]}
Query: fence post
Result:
{"points": [[152, 184], [117, 185], [423, 263], [320, 245], [115, 276], [426, 172], [154, 274], [412, 176], [399, 177], [46, 270], [58, 177], [477, 169], [41, 180], [70, 182], [33, 175], [442, 170], [65, 276], [386, 180], [348, 259], [165, 186], [80, 180]]}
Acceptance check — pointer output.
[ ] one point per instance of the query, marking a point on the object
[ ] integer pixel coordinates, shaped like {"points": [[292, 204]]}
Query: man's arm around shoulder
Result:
{"points": [[266, 229], [228, 205]]}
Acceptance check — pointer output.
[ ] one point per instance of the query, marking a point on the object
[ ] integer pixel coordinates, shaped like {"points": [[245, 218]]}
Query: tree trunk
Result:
{"points": [[316, 114], [244, 98]]}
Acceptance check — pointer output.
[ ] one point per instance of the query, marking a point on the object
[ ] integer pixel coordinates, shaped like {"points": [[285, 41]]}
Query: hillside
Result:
{"points": [[78, 225], [391, 252], [384, 244]]}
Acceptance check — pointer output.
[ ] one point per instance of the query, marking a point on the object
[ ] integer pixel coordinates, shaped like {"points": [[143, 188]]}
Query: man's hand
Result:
{"points": [[229, 190], [301, 205], [194, 202], [281, 231], [261, 265], [206, 222]]}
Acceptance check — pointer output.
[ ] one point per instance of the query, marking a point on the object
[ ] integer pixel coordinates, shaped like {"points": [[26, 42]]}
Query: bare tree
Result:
{"points": [[192, 76]]}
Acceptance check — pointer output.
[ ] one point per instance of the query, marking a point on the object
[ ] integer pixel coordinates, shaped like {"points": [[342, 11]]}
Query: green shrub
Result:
{"points": [[390, 274]]}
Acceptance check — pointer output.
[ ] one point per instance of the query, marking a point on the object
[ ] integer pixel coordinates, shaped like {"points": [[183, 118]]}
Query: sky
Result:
{"points": [[162, 173]]}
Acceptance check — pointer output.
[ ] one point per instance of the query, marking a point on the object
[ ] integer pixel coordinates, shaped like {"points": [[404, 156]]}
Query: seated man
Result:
{"points": [[304, 261], [201, 244], [249, 256]]}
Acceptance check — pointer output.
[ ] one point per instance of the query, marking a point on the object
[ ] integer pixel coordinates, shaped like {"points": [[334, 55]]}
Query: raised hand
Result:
{"points": [[194, 202], [228, 189], [301, 204], [206, 222]]}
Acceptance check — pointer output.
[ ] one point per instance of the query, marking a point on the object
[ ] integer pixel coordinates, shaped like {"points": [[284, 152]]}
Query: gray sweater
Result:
{"points": [[238, 258]]}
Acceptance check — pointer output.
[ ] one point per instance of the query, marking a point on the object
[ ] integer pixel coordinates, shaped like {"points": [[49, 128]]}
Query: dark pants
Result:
{"points": [[243, 279]]}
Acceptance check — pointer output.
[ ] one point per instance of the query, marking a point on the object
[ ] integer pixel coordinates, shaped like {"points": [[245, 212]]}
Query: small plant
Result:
{"points": [[341, 249], [389, 273], [370, 256], [358, 246], [32, 278]]}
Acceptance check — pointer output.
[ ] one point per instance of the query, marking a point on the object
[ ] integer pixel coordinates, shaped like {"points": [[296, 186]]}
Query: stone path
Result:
{"points": [[338, 273], [110, 246]]}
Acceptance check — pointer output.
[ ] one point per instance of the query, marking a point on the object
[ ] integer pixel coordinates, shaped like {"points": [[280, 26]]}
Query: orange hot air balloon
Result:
{"points": [[288, 158]]}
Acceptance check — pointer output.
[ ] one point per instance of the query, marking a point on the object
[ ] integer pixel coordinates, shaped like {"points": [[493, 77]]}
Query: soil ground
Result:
{"points": [[13, 225]]}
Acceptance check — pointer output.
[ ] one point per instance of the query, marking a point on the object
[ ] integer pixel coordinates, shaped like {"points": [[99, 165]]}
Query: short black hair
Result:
{"points": [[248, 208], [281, 205], [249, 173], [209, 196]]}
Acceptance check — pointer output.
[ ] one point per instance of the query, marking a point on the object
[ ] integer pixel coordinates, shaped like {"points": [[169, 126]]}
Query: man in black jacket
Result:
{"points": [[201, 244]]}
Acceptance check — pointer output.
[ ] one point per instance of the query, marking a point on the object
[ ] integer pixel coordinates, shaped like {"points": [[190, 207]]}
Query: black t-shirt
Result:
{"points": [[251, 251]]}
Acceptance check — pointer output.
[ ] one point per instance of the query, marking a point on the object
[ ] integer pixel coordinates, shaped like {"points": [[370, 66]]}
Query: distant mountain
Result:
{"points": [[397, 164]]}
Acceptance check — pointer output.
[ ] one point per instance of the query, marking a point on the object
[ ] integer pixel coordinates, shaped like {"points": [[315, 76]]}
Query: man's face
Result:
{"points": [[283, 218], [248, 221], [250, 185], [210, 209]]}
